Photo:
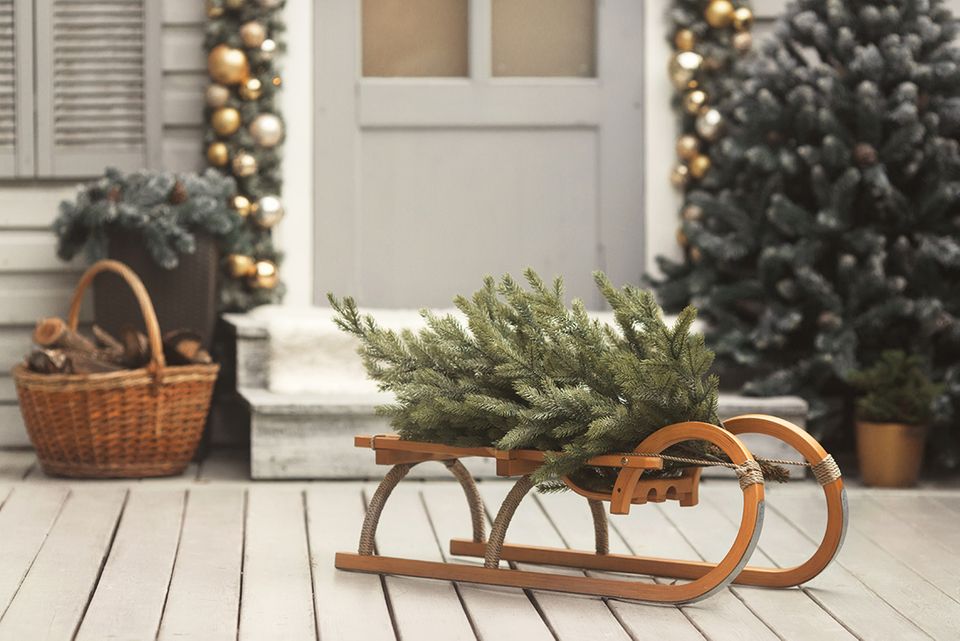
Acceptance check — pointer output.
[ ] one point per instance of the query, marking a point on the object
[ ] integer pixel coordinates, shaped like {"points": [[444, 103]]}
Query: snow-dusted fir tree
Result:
{"points": [[828, 228]]}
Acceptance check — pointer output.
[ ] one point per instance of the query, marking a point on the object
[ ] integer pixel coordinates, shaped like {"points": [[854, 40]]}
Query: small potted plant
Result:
{"points": [[892, 418], [168, 228]]}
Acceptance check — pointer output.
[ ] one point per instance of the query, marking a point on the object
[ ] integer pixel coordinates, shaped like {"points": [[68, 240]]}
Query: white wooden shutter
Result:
{"points": [[95, 67], [16, 88]]}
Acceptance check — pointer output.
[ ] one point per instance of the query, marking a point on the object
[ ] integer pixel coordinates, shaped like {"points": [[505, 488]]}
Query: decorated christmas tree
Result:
{"points": [[828, 226]]}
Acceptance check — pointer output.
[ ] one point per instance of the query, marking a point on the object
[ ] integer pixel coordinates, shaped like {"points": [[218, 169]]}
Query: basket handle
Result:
{"points": [[157, 361]]}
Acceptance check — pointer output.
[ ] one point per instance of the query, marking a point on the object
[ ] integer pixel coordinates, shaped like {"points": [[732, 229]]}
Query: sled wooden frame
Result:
{"points": [[705, 578]]}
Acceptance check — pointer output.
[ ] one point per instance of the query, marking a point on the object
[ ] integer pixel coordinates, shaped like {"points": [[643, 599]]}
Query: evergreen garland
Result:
{"points": [[529, 372], [165, 209], [828, 228]]}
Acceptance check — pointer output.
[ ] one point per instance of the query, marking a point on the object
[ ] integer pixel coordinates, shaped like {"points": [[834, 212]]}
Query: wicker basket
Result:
{"points": [[133, 423]]}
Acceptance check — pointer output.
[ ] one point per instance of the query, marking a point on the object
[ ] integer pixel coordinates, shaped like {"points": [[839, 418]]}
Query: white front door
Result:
{"points": [[459, 138]]}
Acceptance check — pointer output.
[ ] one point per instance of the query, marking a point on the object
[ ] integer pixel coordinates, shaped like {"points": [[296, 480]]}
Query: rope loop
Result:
{"points": [[748, 473]]}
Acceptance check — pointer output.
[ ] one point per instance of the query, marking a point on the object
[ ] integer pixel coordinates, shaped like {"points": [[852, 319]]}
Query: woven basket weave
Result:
{"points": [[132, 423]]}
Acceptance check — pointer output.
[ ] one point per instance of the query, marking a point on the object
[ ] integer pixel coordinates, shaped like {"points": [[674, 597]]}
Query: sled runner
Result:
{"points": [[630, 488]]}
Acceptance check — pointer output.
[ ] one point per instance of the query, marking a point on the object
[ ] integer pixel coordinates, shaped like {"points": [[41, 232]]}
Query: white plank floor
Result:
{"points": [[210, 556]]}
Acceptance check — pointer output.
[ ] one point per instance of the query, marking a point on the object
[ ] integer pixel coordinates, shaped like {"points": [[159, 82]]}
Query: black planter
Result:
{"points": [[184, 297]]}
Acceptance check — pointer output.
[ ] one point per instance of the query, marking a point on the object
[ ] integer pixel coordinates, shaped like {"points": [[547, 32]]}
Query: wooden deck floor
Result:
{"points": [[211, 556]]}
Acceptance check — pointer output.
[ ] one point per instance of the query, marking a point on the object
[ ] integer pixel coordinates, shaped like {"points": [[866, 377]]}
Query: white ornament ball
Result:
{"points": [[267, 130], [268, 48], [709, 124], [269, 211], [217, 96]]}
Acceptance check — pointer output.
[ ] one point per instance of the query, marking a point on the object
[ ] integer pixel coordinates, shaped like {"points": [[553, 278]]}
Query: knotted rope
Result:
{"points": [[826, 471]]}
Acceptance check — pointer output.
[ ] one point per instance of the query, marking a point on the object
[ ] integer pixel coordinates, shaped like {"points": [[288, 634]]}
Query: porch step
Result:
{"points": [[310, 435]]}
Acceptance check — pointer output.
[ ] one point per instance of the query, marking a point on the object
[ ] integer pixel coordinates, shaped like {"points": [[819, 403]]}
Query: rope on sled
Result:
{"points": [[826, 471]]}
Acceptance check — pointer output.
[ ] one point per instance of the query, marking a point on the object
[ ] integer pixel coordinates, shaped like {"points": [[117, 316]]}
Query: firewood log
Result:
{"points": [[54, 332], [184, 347], [136, 347], [107, 341], [48, 361]]}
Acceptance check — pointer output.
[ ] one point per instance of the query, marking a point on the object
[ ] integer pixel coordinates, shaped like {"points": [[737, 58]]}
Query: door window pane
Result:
{"points": [[544, 38], [414, 37]]}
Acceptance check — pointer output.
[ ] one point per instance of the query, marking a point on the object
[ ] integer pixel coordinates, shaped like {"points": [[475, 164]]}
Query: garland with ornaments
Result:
{"points": [[708, 36], [243, 138]]}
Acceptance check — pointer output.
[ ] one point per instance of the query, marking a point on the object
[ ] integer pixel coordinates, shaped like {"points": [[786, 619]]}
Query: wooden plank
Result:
{"points": [[348, 605], [183, 12], [182, 149], [204, 596], [130, 595], [919, 537], [276, 601], [54, 594], [183, 48], [25, 520], [183, 98], [893, 581], [790, 613], [32, 251], [15, 464], [421, 609], [187, 477], [13, 434], [570, 515], [497, 613], [836, 590], [570, 616]]}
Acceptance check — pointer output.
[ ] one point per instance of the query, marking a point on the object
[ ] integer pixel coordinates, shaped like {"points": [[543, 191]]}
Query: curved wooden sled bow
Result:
{"points": [[705, 578]]}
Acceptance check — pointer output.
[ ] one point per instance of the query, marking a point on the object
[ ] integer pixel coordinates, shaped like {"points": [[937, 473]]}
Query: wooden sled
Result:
{"points": [[630, 488]]}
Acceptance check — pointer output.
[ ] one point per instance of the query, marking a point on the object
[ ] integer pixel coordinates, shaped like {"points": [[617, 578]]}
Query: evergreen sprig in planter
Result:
{"points": [[167, 227], [892, 419]]}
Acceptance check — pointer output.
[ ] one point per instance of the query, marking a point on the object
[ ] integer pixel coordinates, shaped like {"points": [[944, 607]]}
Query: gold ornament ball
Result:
{"points": [[277, 81], [269, 4], [699, 166], [241, 204], [217, 154], [742, 41], [266, 130], [694, 100], [234, 4], [709, 124], [266, 275], [267, 49], [692, 213], [682, 239], [244, 165], [688, 146], [214, 10], [225, 121], [684, 67], [240, 266], [742, 19], [680, 176], [719, 13], [227, 65], [253, 33], [251, 89], [685, 40], [216, 96], [268, 212], [695, 254]]}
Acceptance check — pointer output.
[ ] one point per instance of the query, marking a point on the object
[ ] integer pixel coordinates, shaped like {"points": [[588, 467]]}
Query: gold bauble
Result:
{"points": [[742, 41], [692, 213], [682, 239], [266, 130], [217, 154], [267, 48], [685, 40], [268, 212], [216, 96], [699, 166], [241, 205], [742, 19], [240, 266], [214, 10], [277, 81], [225, 121], [234, 4], [266, 275], [719, 13], [244, 165], [695, 254], [680, 176], [253, 33], [251, 89], [709, 124], [684, 67], [694, 100], [227, 65], [688, 146]]}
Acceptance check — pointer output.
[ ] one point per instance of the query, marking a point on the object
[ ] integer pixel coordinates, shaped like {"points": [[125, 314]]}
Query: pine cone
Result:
{"points": [[865, 154], [178, 194], [115, 194]]}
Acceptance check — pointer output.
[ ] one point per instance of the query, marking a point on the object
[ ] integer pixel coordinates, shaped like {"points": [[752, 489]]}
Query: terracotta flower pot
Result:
{"points": [[890, 454]]}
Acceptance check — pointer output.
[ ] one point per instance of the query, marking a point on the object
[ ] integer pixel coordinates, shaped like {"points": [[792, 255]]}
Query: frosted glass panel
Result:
{"points": [[544, 38], [414, 37]]}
